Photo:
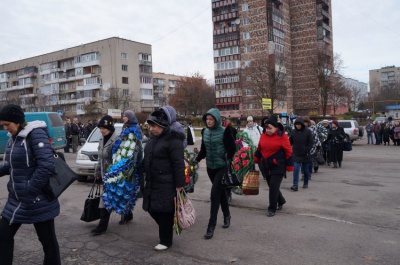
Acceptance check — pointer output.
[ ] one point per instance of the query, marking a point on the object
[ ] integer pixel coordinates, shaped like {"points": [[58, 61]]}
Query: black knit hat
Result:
{"points": [[158, 117], [12, 113], [107, 122], [273, 120]]}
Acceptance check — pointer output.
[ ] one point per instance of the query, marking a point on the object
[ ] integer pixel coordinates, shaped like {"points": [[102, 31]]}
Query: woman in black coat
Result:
{"points": [[335, 140], [165, 175]]}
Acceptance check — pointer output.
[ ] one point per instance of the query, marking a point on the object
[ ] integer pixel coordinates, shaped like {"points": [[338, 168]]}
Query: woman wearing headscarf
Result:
{"points": [[335, 140], [274, 154], [107, 130], [165, 175], [29, 161], [217, 146]]}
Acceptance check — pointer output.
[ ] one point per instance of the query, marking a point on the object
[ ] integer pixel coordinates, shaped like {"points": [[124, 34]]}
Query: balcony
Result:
{"points": [[27, 96], [142, 62], [226, 30], [231, 15], [217, 3], [85, 64]]}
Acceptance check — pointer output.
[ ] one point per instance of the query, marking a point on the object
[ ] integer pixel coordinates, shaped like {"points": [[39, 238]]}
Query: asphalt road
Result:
{"points": [[346, 216]]}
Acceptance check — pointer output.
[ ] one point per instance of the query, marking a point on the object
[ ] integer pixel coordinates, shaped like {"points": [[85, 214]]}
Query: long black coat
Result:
{"points": [[164, 167], [302, 142], [335, 140]]}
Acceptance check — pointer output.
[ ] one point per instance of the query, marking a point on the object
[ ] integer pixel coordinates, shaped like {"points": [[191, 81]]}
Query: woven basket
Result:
{"points": [[251, 183]]}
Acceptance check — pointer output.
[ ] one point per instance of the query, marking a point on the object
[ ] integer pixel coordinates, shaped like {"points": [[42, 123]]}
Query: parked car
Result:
{"points": [[352, 129], [380, 119], [55, 128], [87, 156]]}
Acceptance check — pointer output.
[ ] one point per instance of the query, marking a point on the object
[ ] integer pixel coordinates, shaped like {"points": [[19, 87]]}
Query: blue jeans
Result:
{"points": [[297, 166], [369, 136]]}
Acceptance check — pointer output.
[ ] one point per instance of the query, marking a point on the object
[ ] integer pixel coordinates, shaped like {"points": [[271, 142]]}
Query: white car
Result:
{"points": [[86, 160]]}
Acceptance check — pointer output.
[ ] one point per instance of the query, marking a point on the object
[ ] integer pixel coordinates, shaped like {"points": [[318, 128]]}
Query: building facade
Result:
{"points": [[113, 73], [384, 76], [289, 34], [163, 86], [359, 91]]}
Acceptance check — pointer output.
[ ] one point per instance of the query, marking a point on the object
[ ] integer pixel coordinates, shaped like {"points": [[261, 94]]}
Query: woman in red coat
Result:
{"points": [[274, 155]]}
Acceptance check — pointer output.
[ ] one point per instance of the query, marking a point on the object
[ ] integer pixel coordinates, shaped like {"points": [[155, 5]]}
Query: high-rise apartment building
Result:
{"points": [[384, 76], [359, 91], [290, 34], [70, 79]]}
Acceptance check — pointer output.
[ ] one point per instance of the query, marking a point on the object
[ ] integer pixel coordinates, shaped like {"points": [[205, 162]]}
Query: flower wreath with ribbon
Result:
{"points": [[121, 182]]}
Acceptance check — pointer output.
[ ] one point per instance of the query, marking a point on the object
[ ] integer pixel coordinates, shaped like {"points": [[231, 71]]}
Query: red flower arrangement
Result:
{"points": [[242, 160]]}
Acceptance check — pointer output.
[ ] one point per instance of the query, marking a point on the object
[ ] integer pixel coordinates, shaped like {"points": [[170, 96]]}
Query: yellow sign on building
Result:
{"points": [[266, 103]]}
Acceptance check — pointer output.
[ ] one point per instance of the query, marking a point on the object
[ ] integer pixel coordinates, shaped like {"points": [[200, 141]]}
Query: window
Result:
{"points": [[227, 79], [146, 80], [246, 49], [124, 55], [245, 7], [125, 80], [125, 92], [246, 35], [124, 67], [227, 65], [226, 51], [146, 92], [245, 21], [144, 57]]}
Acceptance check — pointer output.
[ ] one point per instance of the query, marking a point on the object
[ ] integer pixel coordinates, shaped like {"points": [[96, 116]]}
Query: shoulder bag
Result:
{"points": [[61, 179], [91, 210], [229, 179]]}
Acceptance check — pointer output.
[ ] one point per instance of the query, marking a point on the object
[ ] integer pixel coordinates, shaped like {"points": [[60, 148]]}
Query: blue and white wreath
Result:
{"points": [[121, 181]]}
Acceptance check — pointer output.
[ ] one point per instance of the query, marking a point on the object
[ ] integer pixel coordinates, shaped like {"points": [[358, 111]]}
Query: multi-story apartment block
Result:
{"points": [[289, 33], [72, 78], [359, 91], [379, 78], [164, 86]]}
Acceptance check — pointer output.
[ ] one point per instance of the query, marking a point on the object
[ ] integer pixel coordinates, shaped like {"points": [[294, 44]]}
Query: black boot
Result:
{"points": [[334, 165], [125, 218], [340, 164], [210, 232], [227, 222], [103, 224]]}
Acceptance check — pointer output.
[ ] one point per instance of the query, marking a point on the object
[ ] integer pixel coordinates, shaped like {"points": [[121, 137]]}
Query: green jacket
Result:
{"points": [[216, 142]]}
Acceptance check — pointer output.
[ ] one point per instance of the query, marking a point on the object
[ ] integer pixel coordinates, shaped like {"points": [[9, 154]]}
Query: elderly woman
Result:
{"points": [[335, 140], [274, 153], [165, 175], [29, 161], [107, 130]]}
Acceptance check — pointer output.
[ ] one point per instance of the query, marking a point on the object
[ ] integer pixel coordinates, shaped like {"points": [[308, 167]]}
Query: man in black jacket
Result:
{"points": [[302, 142], [75, 131], [67, 127]]}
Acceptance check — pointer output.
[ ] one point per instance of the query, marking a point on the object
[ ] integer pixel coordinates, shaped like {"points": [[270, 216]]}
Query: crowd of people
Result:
{"points": [[383, 133], [278, 150]]}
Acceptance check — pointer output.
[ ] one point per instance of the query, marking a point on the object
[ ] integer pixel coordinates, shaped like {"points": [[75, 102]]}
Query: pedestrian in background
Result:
{"points": [[106, 143], [68, 136], [335, 140], [302, 142], [377, 133], [165, 175], [275, 154], [75, 132], [29, 162], [370, 128]]}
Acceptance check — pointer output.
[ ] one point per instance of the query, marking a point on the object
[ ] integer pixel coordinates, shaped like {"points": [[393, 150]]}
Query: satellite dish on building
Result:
{"points": [[237, 22]]}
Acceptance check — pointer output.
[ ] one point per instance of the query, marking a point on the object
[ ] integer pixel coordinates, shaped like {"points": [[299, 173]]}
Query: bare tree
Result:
{"points": [[117, 98], [326, 67], [356, 96], [339, 95], [193, 95], [264, 77]]}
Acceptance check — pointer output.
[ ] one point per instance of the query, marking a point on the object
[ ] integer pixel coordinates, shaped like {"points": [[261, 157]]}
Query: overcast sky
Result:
{"points": [[365, 32]]}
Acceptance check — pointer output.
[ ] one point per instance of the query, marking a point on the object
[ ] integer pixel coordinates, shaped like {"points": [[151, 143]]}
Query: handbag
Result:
{"points": [[347, 146], [319, 158], [185, 211], [229, 179], [251, 183], [91, 210], [61, 179]]}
